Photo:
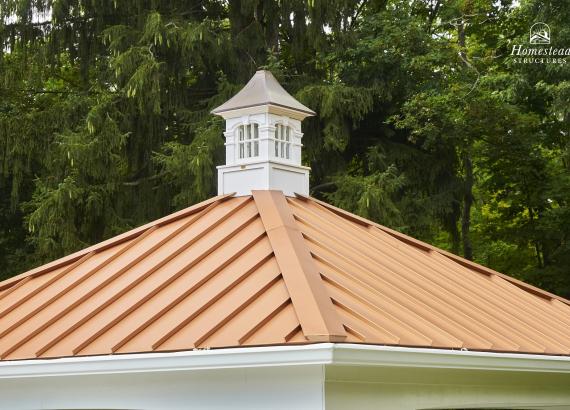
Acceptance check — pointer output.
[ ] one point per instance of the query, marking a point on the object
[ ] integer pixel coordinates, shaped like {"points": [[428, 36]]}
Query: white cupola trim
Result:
{"points": [[263, 140]]}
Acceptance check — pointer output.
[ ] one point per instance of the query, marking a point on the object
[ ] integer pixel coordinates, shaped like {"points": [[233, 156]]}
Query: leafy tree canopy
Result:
{"points": [[425, 121]]}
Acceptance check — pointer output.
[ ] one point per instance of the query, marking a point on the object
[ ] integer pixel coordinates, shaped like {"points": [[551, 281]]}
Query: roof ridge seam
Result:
{"points": [[315, 311]]}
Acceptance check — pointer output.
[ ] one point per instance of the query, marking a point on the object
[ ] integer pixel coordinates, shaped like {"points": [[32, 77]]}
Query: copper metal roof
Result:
{"points": [[270, 270], [262, 89]]}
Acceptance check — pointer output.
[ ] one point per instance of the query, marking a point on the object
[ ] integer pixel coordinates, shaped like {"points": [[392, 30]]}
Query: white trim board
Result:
{"points": [[271, 356]]}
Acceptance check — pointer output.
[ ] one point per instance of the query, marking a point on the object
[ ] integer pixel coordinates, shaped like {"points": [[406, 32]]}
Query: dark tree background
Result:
{"points": [[425, 122]]}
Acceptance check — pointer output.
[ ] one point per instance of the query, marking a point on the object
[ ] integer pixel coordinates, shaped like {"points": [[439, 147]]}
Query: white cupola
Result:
{"points": [[263, 140]]}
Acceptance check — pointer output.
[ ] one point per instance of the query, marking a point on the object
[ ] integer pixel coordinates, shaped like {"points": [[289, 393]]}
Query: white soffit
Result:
{"points": [[321, 353]]}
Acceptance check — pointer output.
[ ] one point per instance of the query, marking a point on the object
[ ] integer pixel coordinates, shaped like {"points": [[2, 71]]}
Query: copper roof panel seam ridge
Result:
{"points": [[395, 339], [543, 324], [552, 309], [194, 209], [238, 309], [210, 302], [149, 271], [477, 282], [85, 276], [476, 301], [117, 240], [104, 305], [276, 330], [421, 323], [14, 287], [321, 222], [372, 244], [373, 317], [109, 324], [440, 288], [472, 265], [562, 306], [199, 309], [359, 221], [7, 330], [161, 287], [328, 218], [451, 309], [23, 288], [533, 290], [292, 333], [481, 301], [265, 309], [255, 315], [247, 335], [362, 338], [363, 329], [100, 286], [58, 295], [155, 317], [316, 313], [179, 299], [390, 317], [441, 323], [131, 285], [34, 292], [330, 208]]}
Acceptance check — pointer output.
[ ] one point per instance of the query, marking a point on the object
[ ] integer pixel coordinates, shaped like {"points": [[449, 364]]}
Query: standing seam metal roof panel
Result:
{"points": [[270, 270]]}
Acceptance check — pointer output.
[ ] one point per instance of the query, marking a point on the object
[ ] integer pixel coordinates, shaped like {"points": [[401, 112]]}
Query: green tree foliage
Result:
{"points": [[425, 122]]}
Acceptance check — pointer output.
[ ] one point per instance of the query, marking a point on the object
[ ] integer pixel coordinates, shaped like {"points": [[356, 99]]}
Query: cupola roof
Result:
{"points": [[262, 89]]}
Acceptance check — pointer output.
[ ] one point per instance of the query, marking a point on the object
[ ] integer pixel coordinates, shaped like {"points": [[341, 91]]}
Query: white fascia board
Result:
{"points": [[395, 356], [321, 353], [242, 357]]}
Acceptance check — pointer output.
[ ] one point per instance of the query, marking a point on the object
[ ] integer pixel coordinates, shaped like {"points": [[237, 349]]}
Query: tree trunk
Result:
{"points": [[467, 204], [454, 220], [467, 163], [539, 256]]}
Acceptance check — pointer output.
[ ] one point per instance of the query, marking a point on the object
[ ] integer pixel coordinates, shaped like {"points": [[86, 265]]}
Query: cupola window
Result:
{"points": [[283, 141], [248, 140]]}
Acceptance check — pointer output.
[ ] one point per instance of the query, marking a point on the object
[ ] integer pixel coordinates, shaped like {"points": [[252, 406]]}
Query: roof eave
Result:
{"points": [[271, 106], [320, 353]]}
